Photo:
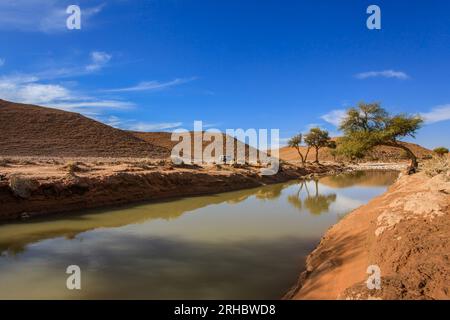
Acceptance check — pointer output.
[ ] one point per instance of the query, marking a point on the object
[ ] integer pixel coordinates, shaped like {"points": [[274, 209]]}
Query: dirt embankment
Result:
{"points": [[405, 232], [32, 189]]}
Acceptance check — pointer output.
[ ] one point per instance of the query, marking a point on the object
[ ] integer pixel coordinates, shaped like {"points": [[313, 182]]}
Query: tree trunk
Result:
{"points": [[317, 155], [414, 164], [307, 152], [301, 156]]}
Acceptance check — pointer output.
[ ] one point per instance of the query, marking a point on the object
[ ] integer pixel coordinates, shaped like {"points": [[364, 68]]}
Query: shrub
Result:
{"points": [[73, 167], [441, 151], [145, 165], [22, 186], [4, 162]]}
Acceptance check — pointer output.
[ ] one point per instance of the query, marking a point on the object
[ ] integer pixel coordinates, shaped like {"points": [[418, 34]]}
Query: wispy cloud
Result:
{"points": [[112, 121], [334, 117], [437, 114], [98, 60], [40, 16], [26, 89], [29, 89], [153, 85], [2, 62], [144, 126], [382, 74], [133, 125], [112, 104]]}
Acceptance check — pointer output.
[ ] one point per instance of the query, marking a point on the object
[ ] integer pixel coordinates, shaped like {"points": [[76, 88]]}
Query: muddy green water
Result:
{"points": [[248, 244]]}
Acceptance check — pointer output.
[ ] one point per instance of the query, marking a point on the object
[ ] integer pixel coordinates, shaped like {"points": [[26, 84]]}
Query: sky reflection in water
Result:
{"points": [[248, 244]]}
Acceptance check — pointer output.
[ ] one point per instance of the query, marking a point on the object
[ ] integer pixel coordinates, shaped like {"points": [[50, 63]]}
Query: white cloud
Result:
{"points": [[112, 104], [98, 60], [334, 117], [133, 125], [28, 89], [143, 126], [42, 93], [152, 85], [47, 16], [113, 121], [2, 62], [382, 74], [437, 114], [25, 89]]}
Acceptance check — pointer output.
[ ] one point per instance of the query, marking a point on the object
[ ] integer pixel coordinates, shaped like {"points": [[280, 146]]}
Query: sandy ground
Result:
{"points": [[38, 186], [405, 232]]}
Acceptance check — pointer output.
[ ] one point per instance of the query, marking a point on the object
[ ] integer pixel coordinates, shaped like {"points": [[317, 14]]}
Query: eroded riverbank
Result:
{"points": [[35, 189], [405, 232]]}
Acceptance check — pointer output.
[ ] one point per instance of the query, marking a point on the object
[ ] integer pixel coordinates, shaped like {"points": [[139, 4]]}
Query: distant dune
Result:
{"points": [[380, 153]]}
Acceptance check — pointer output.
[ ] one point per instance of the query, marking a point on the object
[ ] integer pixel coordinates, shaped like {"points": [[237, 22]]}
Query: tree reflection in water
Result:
{"points": [[315, 203]]}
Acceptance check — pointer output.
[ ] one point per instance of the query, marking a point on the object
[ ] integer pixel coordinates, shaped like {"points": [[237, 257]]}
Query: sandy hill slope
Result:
{"points": [[163, 139], [380, 153], [28, 130]]}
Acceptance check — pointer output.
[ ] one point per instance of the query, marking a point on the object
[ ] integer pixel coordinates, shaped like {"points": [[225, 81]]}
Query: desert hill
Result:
{"points": [[379, 153], [163, 139], [28, 130]]}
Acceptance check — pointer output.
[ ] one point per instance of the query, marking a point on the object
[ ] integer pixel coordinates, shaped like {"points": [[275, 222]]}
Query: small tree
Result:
{"points": [[332, 145], [441, 151], [369, 125], [317, 139], [295, 142]]}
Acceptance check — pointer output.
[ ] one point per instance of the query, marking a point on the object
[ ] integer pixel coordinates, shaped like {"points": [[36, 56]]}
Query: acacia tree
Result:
{"points": [[295, 142], [369, 125], [317, 139], [332, 145], [441, 151]]}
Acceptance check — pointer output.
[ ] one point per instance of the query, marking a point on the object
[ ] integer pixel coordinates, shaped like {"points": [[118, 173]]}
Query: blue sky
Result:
{"points": [[161, 64]]}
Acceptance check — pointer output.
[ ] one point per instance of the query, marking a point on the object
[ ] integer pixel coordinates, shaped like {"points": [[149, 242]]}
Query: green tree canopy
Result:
{"points": [[369, 125], [317, 139], [441, 151], [295, 142]]}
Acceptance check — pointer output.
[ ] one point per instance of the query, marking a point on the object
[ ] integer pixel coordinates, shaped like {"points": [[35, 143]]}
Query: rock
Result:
{"points": [[25, 216], [21, 186]]}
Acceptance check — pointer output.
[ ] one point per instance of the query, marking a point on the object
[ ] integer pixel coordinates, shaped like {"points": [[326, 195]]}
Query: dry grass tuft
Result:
{"points": [[74, 167], [22, 186], [5, 162], [145, 165]]}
